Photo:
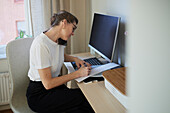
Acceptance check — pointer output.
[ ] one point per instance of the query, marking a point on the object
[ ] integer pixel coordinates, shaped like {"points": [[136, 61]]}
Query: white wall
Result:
{"points": [[148, 50], [3, 61], [3, 65], [148, 56]]}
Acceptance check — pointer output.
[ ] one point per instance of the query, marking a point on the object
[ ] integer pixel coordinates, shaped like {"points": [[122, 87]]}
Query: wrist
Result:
{"points": [[74, 59], [76, 74]]}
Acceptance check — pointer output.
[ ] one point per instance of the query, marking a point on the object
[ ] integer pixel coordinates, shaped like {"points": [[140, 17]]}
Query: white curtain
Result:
{"points": [[39, 12]]}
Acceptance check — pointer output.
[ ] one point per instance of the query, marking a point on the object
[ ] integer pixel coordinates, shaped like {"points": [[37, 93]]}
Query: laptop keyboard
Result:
{"points": [[93, 61]]}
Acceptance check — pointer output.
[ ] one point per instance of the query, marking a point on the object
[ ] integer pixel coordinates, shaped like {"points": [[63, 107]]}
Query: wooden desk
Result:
{"points": [[101, 100]]}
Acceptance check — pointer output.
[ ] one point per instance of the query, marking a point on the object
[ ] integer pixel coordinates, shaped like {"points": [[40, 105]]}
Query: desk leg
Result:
{"points": [[72, 84]]}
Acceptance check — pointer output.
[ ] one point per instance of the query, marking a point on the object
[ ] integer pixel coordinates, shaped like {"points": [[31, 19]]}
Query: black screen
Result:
{"points": [[104, 33]]}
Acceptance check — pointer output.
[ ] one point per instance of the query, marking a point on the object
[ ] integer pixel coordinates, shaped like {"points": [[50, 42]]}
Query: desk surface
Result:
{"points": [[101, 100]]}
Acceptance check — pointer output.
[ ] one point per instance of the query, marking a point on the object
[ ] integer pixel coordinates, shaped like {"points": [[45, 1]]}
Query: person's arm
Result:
{"points": [[49, 82], [79, 62], [68, 58]]}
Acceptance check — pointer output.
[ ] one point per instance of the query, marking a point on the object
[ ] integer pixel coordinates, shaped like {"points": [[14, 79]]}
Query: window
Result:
{"points": [[12, 22], [20, 27], [19, 1]]}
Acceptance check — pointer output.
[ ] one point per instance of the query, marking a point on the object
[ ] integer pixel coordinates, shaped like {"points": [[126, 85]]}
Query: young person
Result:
{"points": [[46, 92]]}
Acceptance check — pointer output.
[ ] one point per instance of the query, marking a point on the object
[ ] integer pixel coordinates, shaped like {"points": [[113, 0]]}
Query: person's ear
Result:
{"points": [[64, 23]]}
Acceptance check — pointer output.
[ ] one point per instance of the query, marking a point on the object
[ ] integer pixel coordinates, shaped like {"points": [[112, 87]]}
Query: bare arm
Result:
{"points": [[79, 62], [49, 82], [68, 58]]}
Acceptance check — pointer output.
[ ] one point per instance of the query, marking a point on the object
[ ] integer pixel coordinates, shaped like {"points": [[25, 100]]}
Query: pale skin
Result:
{"points": [[64, 30]]}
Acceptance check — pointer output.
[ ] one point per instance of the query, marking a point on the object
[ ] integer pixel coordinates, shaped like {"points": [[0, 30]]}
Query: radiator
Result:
{"points": [[5, 88]]}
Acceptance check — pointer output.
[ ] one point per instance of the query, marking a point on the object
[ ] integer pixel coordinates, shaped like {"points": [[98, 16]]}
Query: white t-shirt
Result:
{"points": [[45, 53]]}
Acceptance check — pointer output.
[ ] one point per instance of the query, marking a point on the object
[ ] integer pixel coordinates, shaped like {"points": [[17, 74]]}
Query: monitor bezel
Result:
{"points": [[114, 45]]}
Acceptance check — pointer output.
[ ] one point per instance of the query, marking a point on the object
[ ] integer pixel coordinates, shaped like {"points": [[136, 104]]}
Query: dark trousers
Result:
{"points": [[57, 100]]}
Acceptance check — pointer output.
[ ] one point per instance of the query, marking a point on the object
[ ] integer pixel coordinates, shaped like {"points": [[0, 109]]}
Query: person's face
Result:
{"points": [[69, 30]]}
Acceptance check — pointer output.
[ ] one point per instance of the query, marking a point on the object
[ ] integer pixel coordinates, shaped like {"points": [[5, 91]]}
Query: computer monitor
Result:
{"points": [[104, 35]]}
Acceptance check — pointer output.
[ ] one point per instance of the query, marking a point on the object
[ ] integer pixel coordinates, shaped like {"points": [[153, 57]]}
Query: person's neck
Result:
{"points": [[53, 34]]}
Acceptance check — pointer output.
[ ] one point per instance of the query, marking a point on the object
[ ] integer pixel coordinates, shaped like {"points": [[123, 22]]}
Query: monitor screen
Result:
{"points": [[104, 35]]}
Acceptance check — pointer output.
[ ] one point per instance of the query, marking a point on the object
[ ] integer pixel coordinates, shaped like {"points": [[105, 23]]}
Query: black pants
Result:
{"points": [[57, 100]]}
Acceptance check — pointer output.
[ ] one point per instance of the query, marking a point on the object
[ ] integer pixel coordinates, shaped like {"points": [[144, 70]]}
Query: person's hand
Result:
{"points": [[84, 71], [80, 63]]}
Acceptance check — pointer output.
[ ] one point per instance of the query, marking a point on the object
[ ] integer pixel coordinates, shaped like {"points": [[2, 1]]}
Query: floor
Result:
{"points": [[6, 111]]}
